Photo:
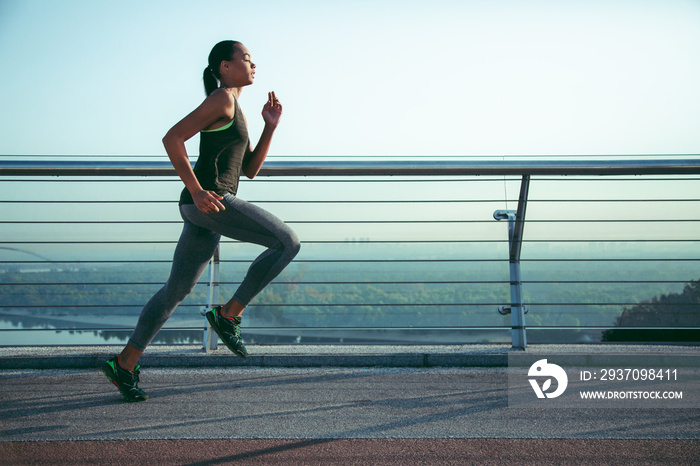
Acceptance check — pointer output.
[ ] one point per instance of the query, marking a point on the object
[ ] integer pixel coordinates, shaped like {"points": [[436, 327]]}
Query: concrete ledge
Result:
{"points": [[308, 356], [86, 357]]}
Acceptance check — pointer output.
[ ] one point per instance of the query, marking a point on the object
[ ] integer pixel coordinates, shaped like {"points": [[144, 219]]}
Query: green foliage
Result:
{"points": [[368, 295], [677, 315]]}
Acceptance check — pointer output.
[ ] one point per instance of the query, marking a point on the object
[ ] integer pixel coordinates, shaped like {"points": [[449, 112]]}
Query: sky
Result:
{"points": [[359, 78]]}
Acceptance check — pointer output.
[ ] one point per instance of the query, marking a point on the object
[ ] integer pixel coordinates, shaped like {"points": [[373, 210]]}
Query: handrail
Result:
{"points": [[661, 164], [690, 166]]}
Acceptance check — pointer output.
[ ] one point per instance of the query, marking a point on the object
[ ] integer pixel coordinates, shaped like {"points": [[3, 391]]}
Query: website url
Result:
{"points": [[631, 395]]}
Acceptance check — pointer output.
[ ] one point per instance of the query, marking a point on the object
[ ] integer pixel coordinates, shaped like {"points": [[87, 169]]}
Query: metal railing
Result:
{"points": [[631, 166], [526, 174]]}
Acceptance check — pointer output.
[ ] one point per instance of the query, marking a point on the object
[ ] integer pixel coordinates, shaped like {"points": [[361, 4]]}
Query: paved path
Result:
{"points": [[374, 406], [312, 415]]}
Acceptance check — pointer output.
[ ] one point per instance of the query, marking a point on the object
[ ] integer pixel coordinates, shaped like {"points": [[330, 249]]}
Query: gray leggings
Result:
{"points": [[200, 236]]}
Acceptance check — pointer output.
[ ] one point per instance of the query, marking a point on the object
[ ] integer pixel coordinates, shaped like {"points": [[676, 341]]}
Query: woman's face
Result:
{"points": [[240, 70]]}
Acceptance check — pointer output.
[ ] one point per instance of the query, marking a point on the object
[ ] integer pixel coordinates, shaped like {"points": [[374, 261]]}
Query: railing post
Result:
{"points": [[516, 224], [210, 338]]}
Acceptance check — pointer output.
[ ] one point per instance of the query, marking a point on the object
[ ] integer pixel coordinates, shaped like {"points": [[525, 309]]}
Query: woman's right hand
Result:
{"points": [[208, 201]]}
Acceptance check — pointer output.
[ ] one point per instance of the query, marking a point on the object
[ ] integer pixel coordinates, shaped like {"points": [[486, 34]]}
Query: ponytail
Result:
{"points": [[223, 51], [210, 81]]}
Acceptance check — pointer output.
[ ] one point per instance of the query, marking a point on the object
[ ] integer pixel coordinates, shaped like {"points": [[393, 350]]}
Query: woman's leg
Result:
{"points": [[249, 223], [192, 254]]}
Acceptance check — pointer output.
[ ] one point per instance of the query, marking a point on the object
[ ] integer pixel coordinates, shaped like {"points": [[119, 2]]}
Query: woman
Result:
{"points": [[210, 209]]}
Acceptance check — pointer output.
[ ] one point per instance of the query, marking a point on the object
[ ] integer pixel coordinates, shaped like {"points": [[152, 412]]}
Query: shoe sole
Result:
{"points": [[212, 322], [106, 371]]}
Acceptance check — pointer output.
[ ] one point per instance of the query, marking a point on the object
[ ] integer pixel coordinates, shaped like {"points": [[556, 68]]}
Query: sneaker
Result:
{"points": [[126, 381], [229, 330]]}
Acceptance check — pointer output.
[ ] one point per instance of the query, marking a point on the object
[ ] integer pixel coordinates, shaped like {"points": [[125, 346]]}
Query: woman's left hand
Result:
{"points": [[272, 111]]}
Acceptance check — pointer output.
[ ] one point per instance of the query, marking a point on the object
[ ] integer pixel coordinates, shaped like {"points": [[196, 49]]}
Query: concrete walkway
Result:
{"points": [[350, 405]]}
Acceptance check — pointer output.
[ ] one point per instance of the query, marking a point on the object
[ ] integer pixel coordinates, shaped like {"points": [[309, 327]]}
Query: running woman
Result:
{"points": [[210, 209]]}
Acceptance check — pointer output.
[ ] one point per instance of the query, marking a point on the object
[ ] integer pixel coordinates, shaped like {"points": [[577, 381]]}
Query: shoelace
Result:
{"points": [[237, 328], [236, 324], [134, 375]]}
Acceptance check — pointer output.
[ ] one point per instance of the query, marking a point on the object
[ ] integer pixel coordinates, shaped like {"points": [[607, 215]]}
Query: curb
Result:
{"points": [[192, 356], [91, 361]]}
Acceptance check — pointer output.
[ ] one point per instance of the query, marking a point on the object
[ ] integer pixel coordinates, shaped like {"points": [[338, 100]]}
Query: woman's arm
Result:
{"points": [[254, 158], [219, 105]]}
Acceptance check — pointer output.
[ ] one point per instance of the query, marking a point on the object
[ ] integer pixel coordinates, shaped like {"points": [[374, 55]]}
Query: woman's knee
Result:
{"points": [[292, 244]]}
